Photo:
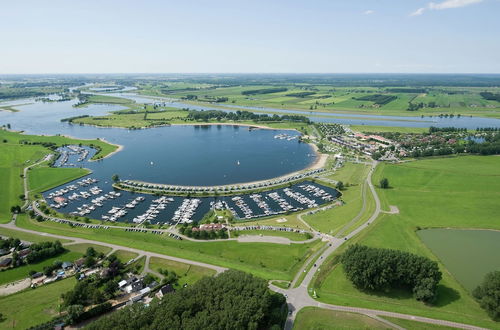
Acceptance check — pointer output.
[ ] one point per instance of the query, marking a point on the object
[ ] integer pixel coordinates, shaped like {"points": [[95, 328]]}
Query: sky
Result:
{"points": [[234, 36]]}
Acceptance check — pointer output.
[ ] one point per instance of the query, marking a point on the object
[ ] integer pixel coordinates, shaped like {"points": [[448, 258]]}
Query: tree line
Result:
{"points": [[385, 269], [44, 250], [231, 300], [264, 91], [207, 115]]}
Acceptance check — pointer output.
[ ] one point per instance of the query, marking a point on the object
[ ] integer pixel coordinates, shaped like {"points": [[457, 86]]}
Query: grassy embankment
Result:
{"points": [[331, 221], [343, 99], [317, 318], [439, 192], [15, 155], [106, 99]]}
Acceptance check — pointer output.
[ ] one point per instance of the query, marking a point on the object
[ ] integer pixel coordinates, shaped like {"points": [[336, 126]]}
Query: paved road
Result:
{"points": [[298, 298], [218, 269]]}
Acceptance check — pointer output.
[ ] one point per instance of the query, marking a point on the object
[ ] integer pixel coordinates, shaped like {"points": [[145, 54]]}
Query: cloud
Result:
{"points": [[418, 12], [368, 12], [447, 4]]}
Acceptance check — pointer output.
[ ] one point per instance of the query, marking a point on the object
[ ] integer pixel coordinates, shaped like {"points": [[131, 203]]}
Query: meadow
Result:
{"points": [[333, 220], [188, 274], [430, 193], [33, 306]]}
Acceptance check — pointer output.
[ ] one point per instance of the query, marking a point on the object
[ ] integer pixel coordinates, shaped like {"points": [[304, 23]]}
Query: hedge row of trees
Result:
{"points": [[379, 99], [242, 115], [44, 250], [203, 234], [264, 91], [231, 300], [385, 269]]}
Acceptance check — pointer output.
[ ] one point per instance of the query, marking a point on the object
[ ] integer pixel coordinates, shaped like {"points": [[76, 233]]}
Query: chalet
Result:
{"points": [[66, 265]]}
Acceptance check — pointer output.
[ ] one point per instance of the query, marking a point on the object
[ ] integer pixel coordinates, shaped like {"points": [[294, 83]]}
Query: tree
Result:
{"points": [[340, 185], [488, 294], [91, 252], [384, 183], [115, 178]]}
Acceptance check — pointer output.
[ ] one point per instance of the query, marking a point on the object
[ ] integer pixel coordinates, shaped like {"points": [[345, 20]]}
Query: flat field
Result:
{"points": [[33, 306], [324, 319], [188, 274]]}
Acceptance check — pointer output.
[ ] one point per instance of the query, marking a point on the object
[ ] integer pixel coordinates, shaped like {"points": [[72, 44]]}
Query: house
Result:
{"points": [[5, 262], [166, 289], [66, 265], [122, 283], [134, 285], [23, 253], [37, 275], [141, 294]]}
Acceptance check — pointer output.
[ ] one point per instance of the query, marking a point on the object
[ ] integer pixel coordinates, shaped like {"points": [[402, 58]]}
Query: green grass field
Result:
{"points": [[125, 256], [189, 274], [42, 178], [437, 192], [376, 129], [33, 306], [323, 319], [332, 220], [13, 159], [290, 235], [413, 325], [18, 273], [82, 248], [267, 260]]}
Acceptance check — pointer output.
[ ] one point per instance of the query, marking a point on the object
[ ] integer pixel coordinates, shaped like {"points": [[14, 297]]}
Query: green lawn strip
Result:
{"points": [[188, 274], [367, 213], [414, 325], [13, 160], [44, 178], [290, 235], [291, 222], [438, 192], [125, 256], [267, 260], [82, 248], [307, 269], [319, 318], [33, 306], [23, 236], [21, 272]]}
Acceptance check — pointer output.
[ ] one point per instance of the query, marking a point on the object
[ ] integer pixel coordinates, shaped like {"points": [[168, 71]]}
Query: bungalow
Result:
{"points": [[165, 290], [134, 285], [66, 265]]}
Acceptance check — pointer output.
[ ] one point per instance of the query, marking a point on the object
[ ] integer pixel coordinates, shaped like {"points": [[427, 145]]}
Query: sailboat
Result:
{"points": [[152, 163], [238, 162]]}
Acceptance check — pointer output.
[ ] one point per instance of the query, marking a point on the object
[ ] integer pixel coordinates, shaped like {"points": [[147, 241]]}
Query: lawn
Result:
{"points": [[125, 256], [13, 160], [267, 260], [290, 235], [28, 236], [138, 265], [33, 306], [335, 219], [316, 318], [82, 248], [189, 274], [18, 273], [437, 192], [41, 179], [414, 325]]}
